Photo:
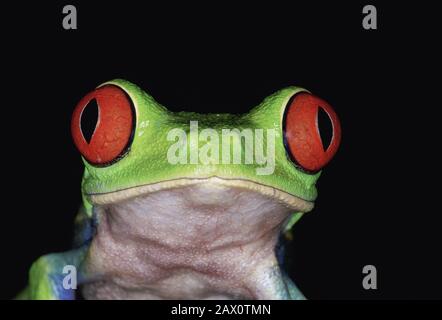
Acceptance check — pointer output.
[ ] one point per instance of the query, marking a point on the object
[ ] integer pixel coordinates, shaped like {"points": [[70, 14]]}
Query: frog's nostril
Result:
{"points": [[89, 120]]}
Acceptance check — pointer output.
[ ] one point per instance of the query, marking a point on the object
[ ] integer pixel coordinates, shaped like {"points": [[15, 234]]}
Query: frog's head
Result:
{"points": [[268, 158]]}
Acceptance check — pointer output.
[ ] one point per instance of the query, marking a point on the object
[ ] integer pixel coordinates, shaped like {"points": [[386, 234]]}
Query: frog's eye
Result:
{"points": [[102, 125], [305, 124]]}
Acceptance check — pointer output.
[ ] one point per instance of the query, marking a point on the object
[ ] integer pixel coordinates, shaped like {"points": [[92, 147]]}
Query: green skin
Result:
{"points": [[146, 165]]}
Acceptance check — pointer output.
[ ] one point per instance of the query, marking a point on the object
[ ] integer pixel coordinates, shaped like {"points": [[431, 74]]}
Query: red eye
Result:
{"points": [[102, 125], [304, 139]]}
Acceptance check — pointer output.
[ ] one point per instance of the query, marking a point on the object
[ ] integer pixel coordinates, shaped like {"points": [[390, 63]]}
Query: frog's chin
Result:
{"points": [[194, 238], [213, 183]]}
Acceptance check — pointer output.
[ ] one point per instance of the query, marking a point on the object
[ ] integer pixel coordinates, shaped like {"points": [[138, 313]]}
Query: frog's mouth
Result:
{"points": [[289, 200]]}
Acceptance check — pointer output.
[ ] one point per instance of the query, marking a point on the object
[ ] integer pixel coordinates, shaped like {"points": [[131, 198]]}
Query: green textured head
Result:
{"points": [[137, 147]]}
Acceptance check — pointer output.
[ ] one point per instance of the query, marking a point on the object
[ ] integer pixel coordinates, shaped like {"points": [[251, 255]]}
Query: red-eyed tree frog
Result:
{"points": [[185, 205]]}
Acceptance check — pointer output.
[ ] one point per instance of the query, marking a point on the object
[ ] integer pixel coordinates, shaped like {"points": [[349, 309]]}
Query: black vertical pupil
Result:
{"points": [[89, 119], [325, 128]]}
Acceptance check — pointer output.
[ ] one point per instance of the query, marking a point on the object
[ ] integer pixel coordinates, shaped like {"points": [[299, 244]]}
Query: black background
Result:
{"points": [[216, 58]]}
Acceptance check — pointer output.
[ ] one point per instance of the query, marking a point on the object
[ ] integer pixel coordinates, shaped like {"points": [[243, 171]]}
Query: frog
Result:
{"points": [[164, 215]]}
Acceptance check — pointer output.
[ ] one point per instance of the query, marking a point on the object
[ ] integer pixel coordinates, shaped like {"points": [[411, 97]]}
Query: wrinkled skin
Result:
{"points": [[149, 229]]}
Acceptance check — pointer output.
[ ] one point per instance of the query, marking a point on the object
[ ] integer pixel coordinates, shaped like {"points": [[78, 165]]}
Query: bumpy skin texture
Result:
{"points": [[146, 165]]}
